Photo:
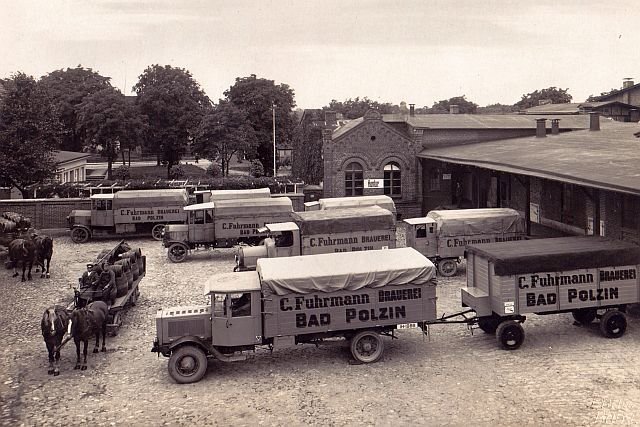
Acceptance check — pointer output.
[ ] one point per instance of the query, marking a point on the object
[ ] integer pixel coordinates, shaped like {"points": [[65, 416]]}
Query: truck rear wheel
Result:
{"points": [[584, 316], [510, 335], [177, 252], [187, 364], [613, 324], [79, 235], [157, 231], [447, 267], [367, 347]]}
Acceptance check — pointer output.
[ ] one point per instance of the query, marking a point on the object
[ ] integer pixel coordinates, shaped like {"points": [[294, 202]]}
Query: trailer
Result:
{"points": [[355, 296], [589, 277], [443, 235], [318, 232]]}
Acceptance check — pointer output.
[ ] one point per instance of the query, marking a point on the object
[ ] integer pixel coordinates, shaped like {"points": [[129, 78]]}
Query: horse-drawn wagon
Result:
{"points": [[114, 278]]}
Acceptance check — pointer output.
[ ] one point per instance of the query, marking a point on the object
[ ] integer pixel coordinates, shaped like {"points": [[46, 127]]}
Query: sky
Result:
{"points": [[413, 51]]}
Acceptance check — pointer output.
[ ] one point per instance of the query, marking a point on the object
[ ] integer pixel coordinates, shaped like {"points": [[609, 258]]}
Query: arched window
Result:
{"points": [[392, 182], [353, 180]]}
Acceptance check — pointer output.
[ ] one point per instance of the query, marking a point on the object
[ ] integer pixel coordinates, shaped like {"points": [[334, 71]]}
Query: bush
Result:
{"points": [[256, 169], [176, 172], [122, 173], [214, 170]]}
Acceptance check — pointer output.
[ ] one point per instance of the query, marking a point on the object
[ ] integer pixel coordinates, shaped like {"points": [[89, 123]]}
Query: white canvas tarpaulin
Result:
{"points": [[466, 222], [344, 220], [345, 271], [145, 198], [384, 202]]}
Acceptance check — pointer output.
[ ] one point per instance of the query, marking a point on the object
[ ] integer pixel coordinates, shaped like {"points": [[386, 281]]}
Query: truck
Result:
{"points": [[442, 235], [129, 213], [316, 232], [356, 297], [223, 224], [385, 202], [589, 277]]}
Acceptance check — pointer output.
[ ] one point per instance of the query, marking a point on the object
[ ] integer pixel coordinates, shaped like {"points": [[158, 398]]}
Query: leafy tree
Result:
{"points": [[553, 94], [110, 123], [256, 96], [593, 98], [223, 132], [29, 133], [496, 109], [444, 106], [355, 108], [67, 89], [306, 162], [174, 104]]}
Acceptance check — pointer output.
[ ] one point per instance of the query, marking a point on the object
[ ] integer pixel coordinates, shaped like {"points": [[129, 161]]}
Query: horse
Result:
{"points": [[55, 321], [22, 251], [86, 322], [44, 252]]}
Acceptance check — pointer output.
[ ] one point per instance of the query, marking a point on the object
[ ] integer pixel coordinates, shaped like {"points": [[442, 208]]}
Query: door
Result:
{"points": [[236, 319], [201, 226], [423, 239], [102, 213]]}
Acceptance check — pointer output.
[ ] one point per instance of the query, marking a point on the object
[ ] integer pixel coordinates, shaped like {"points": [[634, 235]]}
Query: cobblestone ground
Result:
{"points": [[562, 374]]}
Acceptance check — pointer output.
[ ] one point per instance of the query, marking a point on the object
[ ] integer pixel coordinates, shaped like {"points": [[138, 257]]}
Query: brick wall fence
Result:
{"points": [[45, 213]]}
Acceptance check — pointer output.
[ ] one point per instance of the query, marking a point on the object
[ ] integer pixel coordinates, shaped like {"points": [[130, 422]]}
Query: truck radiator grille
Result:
{"points": [[178, 328]]}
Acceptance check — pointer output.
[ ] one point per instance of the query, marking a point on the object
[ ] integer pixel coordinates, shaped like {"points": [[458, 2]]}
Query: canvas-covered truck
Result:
{"points": [[443, 234], [357, 296], [129, 213], [385, 202], [318, 232], [203, 196], [223, 224], [590, 277]]}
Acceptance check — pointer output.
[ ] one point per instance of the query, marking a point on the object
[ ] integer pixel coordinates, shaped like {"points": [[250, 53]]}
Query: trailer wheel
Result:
{"points": [[447, 267], [157, 231], [584, 316], [613, 324], [79, 235], [177, 252], [510, 335], [188, 364], [367, 347], [489, 325]]}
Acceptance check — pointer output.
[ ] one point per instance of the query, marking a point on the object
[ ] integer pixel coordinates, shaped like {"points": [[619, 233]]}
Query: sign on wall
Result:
{"points": [[534, 212], [374, 183]]}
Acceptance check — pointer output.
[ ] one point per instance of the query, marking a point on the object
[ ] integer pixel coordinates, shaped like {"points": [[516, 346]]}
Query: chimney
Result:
{"points": [[330, 118], [412, 109], [594, 120], [454, 109], [555, 126], [627, 82], [541, 128]]}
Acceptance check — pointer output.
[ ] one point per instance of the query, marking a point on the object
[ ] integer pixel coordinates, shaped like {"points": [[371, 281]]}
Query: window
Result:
{"points": [[241, 305], [421, 231], [392, 182], [209, 216], [197, 217], [434, 180], [102, 205], [353, 180], [285, 239]]}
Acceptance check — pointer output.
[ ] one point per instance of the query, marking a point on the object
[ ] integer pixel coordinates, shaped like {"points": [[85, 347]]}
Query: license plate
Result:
{"points": [[407, 326]]}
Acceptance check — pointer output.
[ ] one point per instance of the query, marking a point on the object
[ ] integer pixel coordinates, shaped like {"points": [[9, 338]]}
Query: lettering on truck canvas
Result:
{"points": [[150, 214], [348, 242]]}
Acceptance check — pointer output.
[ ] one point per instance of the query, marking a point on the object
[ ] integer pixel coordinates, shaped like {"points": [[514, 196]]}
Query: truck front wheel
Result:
{"points": [[447, 267], [79, 235], [613, 324], [177, 252], [187, 364], [367, 347], [157, 231], [510, 335]]}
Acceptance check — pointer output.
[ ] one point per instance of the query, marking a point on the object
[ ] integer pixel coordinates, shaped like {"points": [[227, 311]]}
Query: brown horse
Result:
{"points": [[22, 251], [43, 253], [55, 321], [85, 323]]}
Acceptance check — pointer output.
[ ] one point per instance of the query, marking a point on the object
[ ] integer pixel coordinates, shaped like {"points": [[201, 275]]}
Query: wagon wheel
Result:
{"points": [[447, 267], [367, 347], [510, 335], [188, 364], [157, 231], [79, 235], [613, 324], [177, 252], [584, 316], [488, 324]]}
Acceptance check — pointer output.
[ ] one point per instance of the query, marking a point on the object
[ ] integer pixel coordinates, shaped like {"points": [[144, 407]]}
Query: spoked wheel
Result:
{"points": [[177, 252], [367, 347], [79, 235], [447, 267], [157, 231], [188, 364], [510, 335], [613, 324], [488, 324], [584, 316]]}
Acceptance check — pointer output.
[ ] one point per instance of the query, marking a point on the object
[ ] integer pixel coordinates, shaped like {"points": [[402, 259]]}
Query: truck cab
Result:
{"points": [[102, 210], [283, 241], [421, 235]]}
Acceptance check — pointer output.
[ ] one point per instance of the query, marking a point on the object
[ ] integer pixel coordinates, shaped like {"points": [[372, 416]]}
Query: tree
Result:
{"points": [[29, 133], [67, 89], [444, 106], [496, 109], [355, 108], [223, 132], [111, 123], [174, 104], [306, 162], [551, 95], [257, 96]]}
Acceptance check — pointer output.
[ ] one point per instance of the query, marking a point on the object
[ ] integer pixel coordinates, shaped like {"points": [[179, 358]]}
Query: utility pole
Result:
{"points": [[273, 111]]}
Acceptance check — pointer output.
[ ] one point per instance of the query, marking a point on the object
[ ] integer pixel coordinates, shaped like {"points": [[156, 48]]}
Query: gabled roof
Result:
{"points": [[488, 121], [68, 156], [573, 108], [616, 92], [608, 159]]}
